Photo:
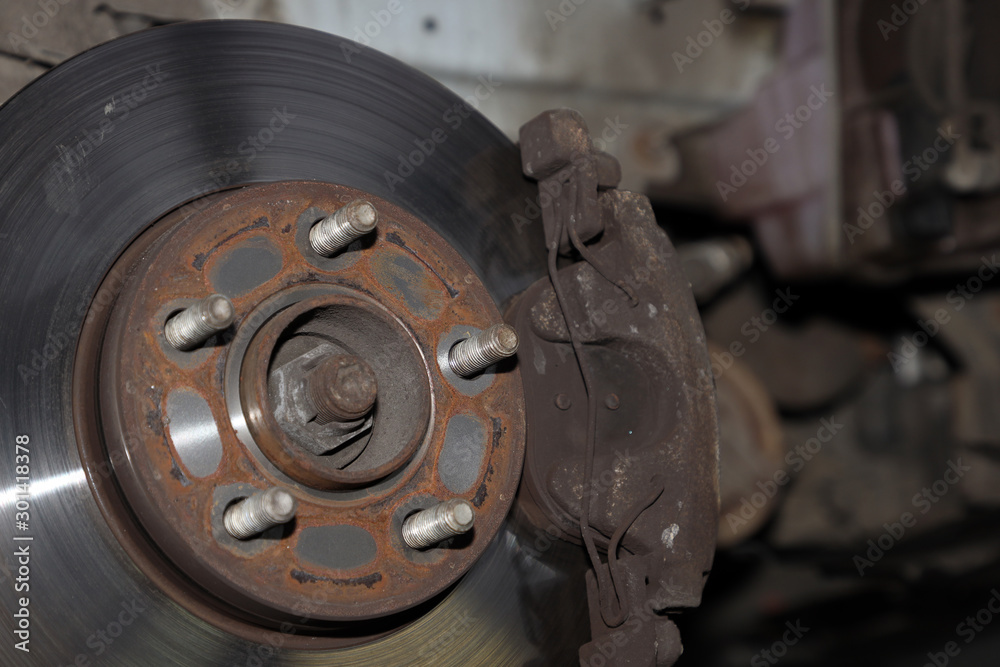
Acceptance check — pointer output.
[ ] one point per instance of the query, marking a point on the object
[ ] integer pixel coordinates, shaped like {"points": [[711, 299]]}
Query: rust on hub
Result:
{"points": [[321, 326], [172, 438]]}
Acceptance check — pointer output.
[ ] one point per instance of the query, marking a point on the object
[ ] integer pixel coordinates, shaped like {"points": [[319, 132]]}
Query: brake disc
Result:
{"points": [[146, 174]]}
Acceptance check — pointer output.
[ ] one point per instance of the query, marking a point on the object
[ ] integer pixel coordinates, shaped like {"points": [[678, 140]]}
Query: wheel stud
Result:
{"points": [[336, 232], [428, 527], [194, 325], [262, 510], [476, 354]]}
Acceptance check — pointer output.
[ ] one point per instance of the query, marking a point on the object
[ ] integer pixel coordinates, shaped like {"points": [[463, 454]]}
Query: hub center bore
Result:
{"points": [[308, 386]]}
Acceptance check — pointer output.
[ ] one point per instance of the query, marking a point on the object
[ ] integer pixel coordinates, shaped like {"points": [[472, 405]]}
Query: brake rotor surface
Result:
{"points": [[119, 137]]}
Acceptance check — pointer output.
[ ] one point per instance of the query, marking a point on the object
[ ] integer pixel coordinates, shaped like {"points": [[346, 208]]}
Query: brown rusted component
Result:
{"points": [[557, 151], [98, 465], [324, 472], [618, 340], [163, 505], [343, 387]]}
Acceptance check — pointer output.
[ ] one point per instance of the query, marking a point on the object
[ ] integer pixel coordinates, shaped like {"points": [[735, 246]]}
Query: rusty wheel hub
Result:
{"points": [[332, 384], [307, 376]]}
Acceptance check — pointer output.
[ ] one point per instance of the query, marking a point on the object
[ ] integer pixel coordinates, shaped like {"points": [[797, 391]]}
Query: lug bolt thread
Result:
{"points": [[339, 230], [428, 527], [476, 354], [194, 325], [262, 510]]}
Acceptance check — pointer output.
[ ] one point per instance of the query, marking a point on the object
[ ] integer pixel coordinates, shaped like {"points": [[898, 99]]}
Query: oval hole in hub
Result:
{"points": [[337, 547]]}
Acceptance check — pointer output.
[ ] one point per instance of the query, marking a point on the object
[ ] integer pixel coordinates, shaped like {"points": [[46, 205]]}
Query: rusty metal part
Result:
{"points": [[345, 321], [639, 481], [558, 152], [289, 397], [343, 558], [431, 526], [343, 388]]}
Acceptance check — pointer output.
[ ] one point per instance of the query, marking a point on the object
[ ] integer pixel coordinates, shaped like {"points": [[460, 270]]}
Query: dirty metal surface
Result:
{"points": [[622, 436], [340, 559], [362, 327]]}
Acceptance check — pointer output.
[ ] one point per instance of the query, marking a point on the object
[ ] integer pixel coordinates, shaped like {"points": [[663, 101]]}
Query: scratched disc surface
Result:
{"points": [[105, 144]]}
